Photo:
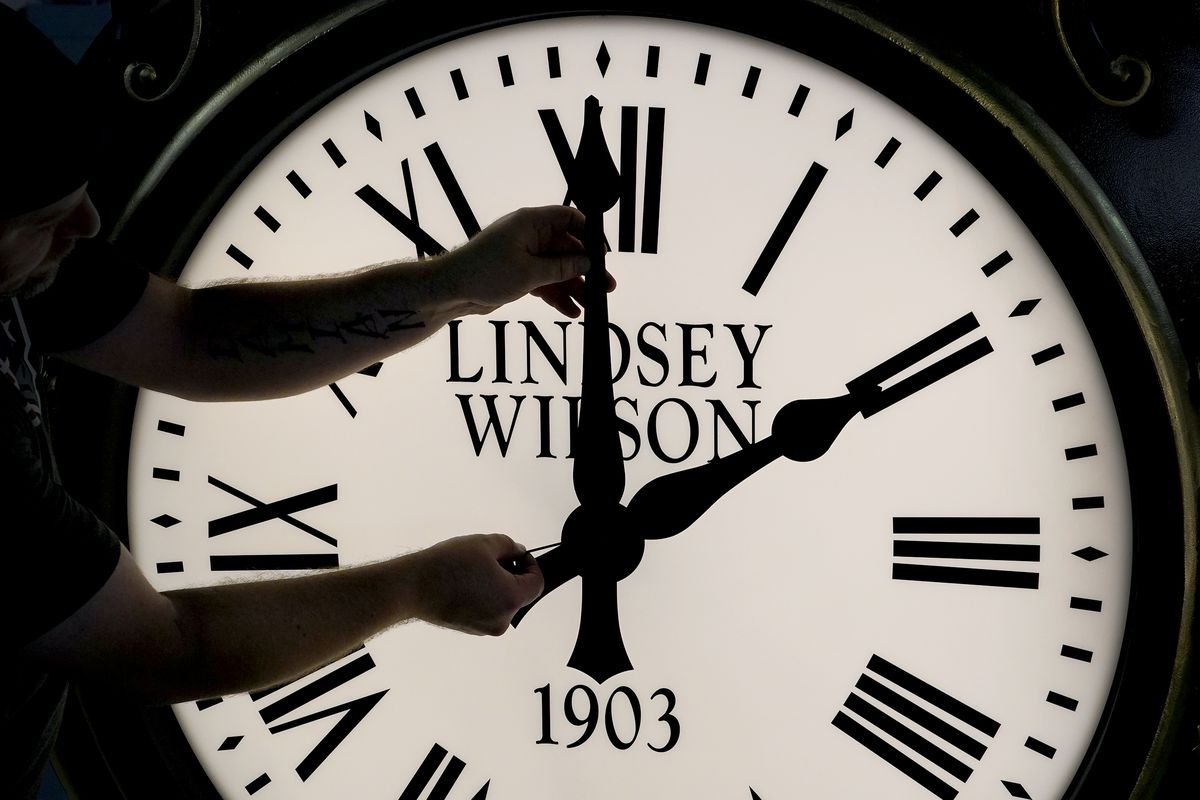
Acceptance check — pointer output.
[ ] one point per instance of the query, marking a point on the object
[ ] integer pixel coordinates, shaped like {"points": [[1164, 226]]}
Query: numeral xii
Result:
{"points": [[628, 169]]}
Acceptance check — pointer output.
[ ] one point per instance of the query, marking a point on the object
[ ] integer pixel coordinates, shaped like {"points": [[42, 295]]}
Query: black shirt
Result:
{"points": [[59, 553]]}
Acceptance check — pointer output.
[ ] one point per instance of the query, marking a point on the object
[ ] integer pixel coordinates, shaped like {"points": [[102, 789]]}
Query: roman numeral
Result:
{"points": [[281, 510], [944, 750], [966, 539], [872, 398], [445, 782], [785, 228], [408, 224], [349, 714], [628, 169]]}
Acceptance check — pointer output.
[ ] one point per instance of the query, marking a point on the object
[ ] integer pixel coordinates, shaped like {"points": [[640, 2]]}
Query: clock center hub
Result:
{"points": [[606, 542]]}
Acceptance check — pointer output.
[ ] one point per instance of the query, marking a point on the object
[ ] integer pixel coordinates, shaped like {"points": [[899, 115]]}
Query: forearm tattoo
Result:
{"points": [[276, 337]]}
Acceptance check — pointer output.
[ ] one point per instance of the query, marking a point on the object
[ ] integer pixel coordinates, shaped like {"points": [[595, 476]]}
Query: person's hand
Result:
{"points": [[530, 251], [463, 583]]}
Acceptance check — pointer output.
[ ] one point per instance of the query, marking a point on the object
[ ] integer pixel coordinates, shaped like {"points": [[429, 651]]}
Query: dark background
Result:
{"points": [[1144, 152]]}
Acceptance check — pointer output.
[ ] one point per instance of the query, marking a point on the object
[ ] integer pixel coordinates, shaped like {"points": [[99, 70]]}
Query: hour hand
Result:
{"points": [[803, 430]]}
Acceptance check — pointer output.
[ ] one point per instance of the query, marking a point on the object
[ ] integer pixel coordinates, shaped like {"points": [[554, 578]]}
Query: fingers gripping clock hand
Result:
{"points": [[532, 250], [475, 584]]}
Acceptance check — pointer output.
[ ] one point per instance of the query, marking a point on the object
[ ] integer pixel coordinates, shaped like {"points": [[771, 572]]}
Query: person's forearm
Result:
{"points": [[240, 637], [260, 340]]}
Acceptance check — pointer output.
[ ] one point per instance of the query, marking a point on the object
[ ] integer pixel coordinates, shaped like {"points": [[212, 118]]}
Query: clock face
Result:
{"points": [[934, 606]]}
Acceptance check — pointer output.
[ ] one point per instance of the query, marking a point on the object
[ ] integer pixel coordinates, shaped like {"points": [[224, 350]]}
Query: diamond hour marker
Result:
{"points": [[603, 59]]}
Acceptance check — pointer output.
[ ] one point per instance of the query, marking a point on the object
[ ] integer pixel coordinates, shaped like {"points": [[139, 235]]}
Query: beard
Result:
{"points": [[36, 284], [41, 279]]}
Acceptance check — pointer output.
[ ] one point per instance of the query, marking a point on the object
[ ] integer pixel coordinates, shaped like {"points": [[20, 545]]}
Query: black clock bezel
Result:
{"points": [[108, 743]]}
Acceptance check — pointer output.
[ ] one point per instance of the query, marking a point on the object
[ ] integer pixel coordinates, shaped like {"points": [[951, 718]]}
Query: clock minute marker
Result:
{"points": [[298, 184], [335, 155], [1049, 354], [844, 124], [460, 85], [265, 218], [258, 783], [163, 474], [173, 428], [168, 567], [165, 521], [964, 222], [1040, 747], [240, 257], [1082, 451], [1069, 401], [506, 72], [889, 150], [798, 100], [603, 59], [1016, 790], [1062, 701], [1089, 554], [1025, 308], [996, 264], [1084, 503], [372, 125], [702, 64], [1086, 604], [927, 185], [414, 102], [553, 65], [1076, 653], [785, 227], [751, 84]]}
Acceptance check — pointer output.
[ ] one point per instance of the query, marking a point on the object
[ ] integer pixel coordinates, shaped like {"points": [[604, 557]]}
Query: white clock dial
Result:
{"points": [[935, 606]]}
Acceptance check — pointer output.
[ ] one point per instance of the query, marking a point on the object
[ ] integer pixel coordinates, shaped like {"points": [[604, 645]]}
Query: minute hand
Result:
{"points": [[803, 430]]}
